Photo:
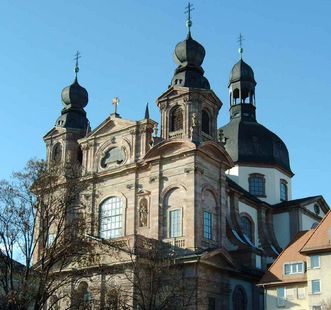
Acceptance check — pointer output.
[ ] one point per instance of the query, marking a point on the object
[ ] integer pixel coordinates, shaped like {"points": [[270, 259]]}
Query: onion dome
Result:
{"points": [[189, 55], [241, 71], [74, 99], [189, 52], [74, 96]]}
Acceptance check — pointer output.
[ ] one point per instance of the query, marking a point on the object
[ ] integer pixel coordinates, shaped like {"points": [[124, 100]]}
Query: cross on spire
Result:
{"points": [[188, 11], [77, 56], [240, 41]]}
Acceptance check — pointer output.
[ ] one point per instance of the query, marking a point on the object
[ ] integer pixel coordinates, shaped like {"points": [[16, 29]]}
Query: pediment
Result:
{"points": [[220, 258], [112, 125], [216, 151], [170, 148]]}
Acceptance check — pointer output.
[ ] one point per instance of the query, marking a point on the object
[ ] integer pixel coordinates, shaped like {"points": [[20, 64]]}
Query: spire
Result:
{"points": [[240, 49], [188, 11], [147, 111], [77, 56]]}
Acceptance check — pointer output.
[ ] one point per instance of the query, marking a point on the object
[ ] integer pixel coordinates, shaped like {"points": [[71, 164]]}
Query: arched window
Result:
{"points": [[205, 126], [57, 152], [111, 218], [83, 297], [239, 298], [247, 226], [176, 119], [112, 299], [283, 190], [236, 96], [79, 156], [257, 184]]}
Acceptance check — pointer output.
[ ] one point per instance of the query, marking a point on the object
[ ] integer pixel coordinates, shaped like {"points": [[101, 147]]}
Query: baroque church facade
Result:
{"points": [[222, 194]]}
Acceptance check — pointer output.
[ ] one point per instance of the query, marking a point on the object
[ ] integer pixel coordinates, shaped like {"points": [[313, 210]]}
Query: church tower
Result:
{"points": [[261, 159], [71, 125], [189, 109]]}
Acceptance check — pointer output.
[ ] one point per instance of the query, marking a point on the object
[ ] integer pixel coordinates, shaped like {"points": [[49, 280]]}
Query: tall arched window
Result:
{"points": [[57, 152], [247, 226], [283, 190], [239, 298], [176, 119], [256, 183], [111, 218], [83, 297], [205, 126]]}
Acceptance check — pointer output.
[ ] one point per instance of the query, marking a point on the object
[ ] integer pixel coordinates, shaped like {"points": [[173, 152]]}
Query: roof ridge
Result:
{"points": [[316, 228]]}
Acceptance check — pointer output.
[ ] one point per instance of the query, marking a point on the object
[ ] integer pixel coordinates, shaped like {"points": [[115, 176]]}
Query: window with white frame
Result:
{"points": [[111, 218], [281, 296], [207, 225], [175, 223], [314, 261], [315, 286], [293, 268]]}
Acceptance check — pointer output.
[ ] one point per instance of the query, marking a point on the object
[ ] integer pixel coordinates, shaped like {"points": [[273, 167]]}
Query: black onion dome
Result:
{"points": [[250, 143], [241, 71], [189, 52], [74, 96]]}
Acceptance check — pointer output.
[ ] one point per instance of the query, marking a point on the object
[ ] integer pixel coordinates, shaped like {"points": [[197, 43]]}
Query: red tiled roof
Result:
{"points": [[320, 240], [275, 273]]}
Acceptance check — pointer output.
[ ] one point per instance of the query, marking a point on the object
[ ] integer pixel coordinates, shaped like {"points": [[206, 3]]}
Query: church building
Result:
{"points": [[221, 193]]}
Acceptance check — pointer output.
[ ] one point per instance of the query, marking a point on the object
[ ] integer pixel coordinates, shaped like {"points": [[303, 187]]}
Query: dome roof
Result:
{"points": [[248, 142], [241, 71], [189, 52], [74, 96]]}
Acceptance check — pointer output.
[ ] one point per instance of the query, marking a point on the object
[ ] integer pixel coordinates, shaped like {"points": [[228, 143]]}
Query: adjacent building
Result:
{"points": [[300, 278]]}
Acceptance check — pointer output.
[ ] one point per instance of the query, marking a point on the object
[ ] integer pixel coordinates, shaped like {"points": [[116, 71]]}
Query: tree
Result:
{"points": [[152, 276], [40, 223]]}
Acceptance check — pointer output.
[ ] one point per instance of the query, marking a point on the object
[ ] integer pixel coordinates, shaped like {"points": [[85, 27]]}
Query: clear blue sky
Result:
{"points": [[127, 48]]}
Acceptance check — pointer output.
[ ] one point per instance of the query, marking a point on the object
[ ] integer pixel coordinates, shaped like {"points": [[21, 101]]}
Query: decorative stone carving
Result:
{"points": [[143, 212]]}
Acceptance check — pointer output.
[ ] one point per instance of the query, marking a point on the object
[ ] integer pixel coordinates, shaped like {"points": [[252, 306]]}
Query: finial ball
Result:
{"points": [[240, 50], [188, 23]]}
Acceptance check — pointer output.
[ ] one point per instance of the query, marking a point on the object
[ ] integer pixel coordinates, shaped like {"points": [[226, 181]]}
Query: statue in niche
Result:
{"points": [[143, 212]]}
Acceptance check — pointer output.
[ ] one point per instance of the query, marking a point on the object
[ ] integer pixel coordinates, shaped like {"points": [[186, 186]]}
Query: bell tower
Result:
{"points": [[62, 141], [242, 89], [189, 108]]}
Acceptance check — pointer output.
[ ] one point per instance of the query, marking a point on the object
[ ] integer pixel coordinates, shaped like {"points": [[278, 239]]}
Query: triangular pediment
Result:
{"points": [[219, 258], [112, 125]]}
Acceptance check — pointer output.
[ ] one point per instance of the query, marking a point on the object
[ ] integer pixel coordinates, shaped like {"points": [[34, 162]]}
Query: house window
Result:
{"points": [[283, 190], [175, 223], [205, 126], [239, 298], [111, 218], [315, 261], [176, 119], [281, 296], [50, 239], [315, 286], [293, 268], [317, 308], [257, 185], [301, 293], [247, 227], [207, 225]]}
